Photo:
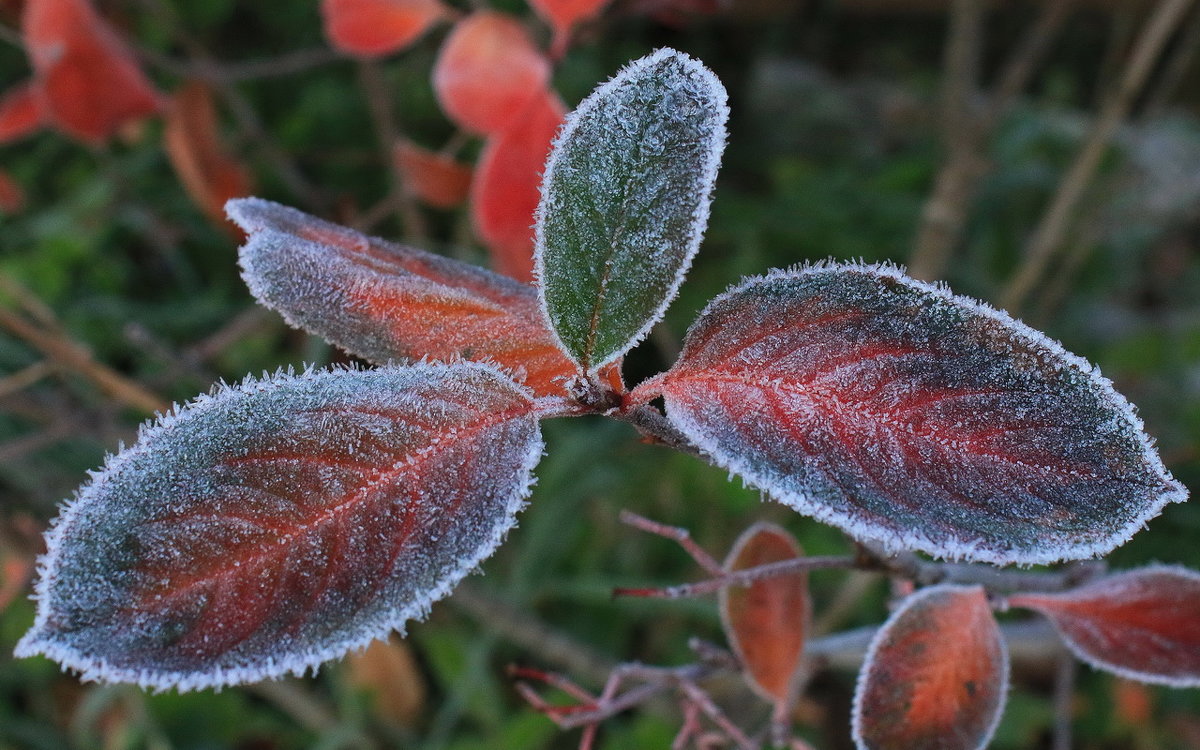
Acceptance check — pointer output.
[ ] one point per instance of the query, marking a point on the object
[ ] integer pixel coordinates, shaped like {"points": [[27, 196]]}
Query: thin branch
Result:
{"points": [[375, 90], [211, 71], [293, 699], [1175, 69], [71, 356], [743, 577], [680, 535], [22, 379], [651, 423], [1064, 699], [1052, 230]]}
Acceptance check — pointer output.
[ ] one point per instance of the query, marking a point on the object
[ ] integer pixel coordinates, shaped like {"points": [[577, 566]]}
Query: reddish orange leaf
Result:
{"points": [[766, 622], [20, 112], [564, 14], [936, 675], [207, 172], [488, 71], [383, 301], [435, 179], [505, 194], [373, 28], [89, 80], [1142, 624], [12, 197]]}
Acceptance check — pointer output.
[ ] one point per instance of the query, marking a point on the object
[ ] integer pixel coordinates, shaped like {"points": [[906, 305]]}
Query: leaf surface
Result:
{"points": [[935, 676], [208, 172], [767, 622], [625, 202], [487, 71], [374, 28], [1141, 624], [437, 180], [504, 193], [277, 524], [901, 413], [383, 301], [88, 78], [21, 112]]}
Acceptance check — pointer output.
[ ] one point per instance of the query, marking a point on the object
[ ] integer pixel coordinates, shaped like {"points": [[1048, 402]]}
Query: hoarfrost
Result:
{"points": [[1140, 624], [625, 201], [386, 302], [935, 675], [273, 525], [904, 414]]}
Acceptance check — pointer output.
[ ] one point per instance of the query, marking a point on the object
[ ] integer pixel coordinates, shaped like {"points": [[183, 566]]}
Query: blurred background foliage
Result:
{"points": [[838, 135]]}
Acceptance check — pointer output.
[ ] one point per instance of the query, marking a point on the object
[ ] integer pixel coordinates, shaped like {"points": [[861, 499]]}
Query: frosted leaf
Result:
{"points": [[625, 201], [383, 301], [935, 676], [901, 413], [279, 523], [1142, 624], [767, 621]]}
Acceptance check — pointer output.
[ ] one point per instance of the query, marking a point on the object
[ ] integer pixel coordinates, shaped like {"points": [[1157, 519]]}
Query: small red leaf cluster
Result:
{"points": [[936, 674]]}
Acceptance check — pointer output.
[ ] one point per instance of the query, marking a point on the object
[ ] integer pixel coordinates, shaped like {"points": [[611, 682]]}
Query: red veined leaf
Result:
{"points": [[487, 72], [1141, 624], [435, 179], [373, 28], [208, 173], [89, 81], [280, 523], [12, 197], [384, 302], [20, 112], [563, 15], [902, 413], [935, 676], [505, 192], [767, 622]]}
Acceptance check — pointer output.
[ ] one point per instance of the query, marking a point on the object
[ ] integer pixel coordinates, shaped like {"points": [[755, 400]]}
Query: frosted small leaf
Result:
{"points": [[767, 621], [277, 524], [904, 414], [1142, 624], [935, 676], [625, 201], [385, 302]]}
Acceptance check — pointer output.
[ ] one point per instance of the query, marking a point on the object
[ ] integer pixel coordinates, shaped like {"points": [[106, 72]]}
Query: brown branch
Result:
{"points": [[1064, 698], [375, 91], [1050, 233], [71, 356]]}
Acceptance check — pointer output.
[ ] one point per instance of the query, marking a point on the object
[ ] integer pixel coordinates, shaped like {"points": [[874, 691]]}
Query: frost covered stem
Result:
{"points": [[651, 423], [995, 580]]}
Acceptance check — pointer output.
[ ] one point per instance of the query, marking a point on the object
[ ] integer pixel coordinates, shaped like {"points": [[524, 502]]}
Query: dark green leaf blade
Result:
{"points": [[625, 202]]}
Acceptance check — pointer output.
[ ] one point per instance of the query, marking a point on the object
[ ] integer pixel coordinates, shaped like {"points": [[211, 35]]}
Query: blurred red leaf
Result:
{"points": [[936, 675], [505, 192], [487, 71], [434, 179], [388, 671], [767, 622], [21, 112], [90, 83], [563, 15], [1141, 624], [193, 145], [383, 301], [373, 28], [12, 197]]}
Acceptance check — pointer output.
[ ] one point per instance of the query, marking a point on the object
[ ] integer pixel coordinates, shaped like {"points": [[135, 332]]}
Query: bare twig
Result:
{"points": [[1064, 698], [1175, 68], [743, 577], [71, 356], [22, 379], [1049, 235], [379, 100], [298, 703], [680, 535], [211, 71]]}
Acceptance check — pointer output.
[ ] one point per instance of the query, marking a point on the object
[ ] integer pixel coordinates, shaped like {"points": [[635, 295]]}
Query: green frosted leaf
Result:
{"points": [[625, 201]]}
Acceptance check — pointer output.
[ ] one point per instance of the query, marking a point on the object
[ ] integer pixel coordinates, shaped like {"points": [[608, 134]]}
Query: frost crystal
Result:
{"points": [[625, 201], [385, 302], [905, 414], [277, 524]]}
